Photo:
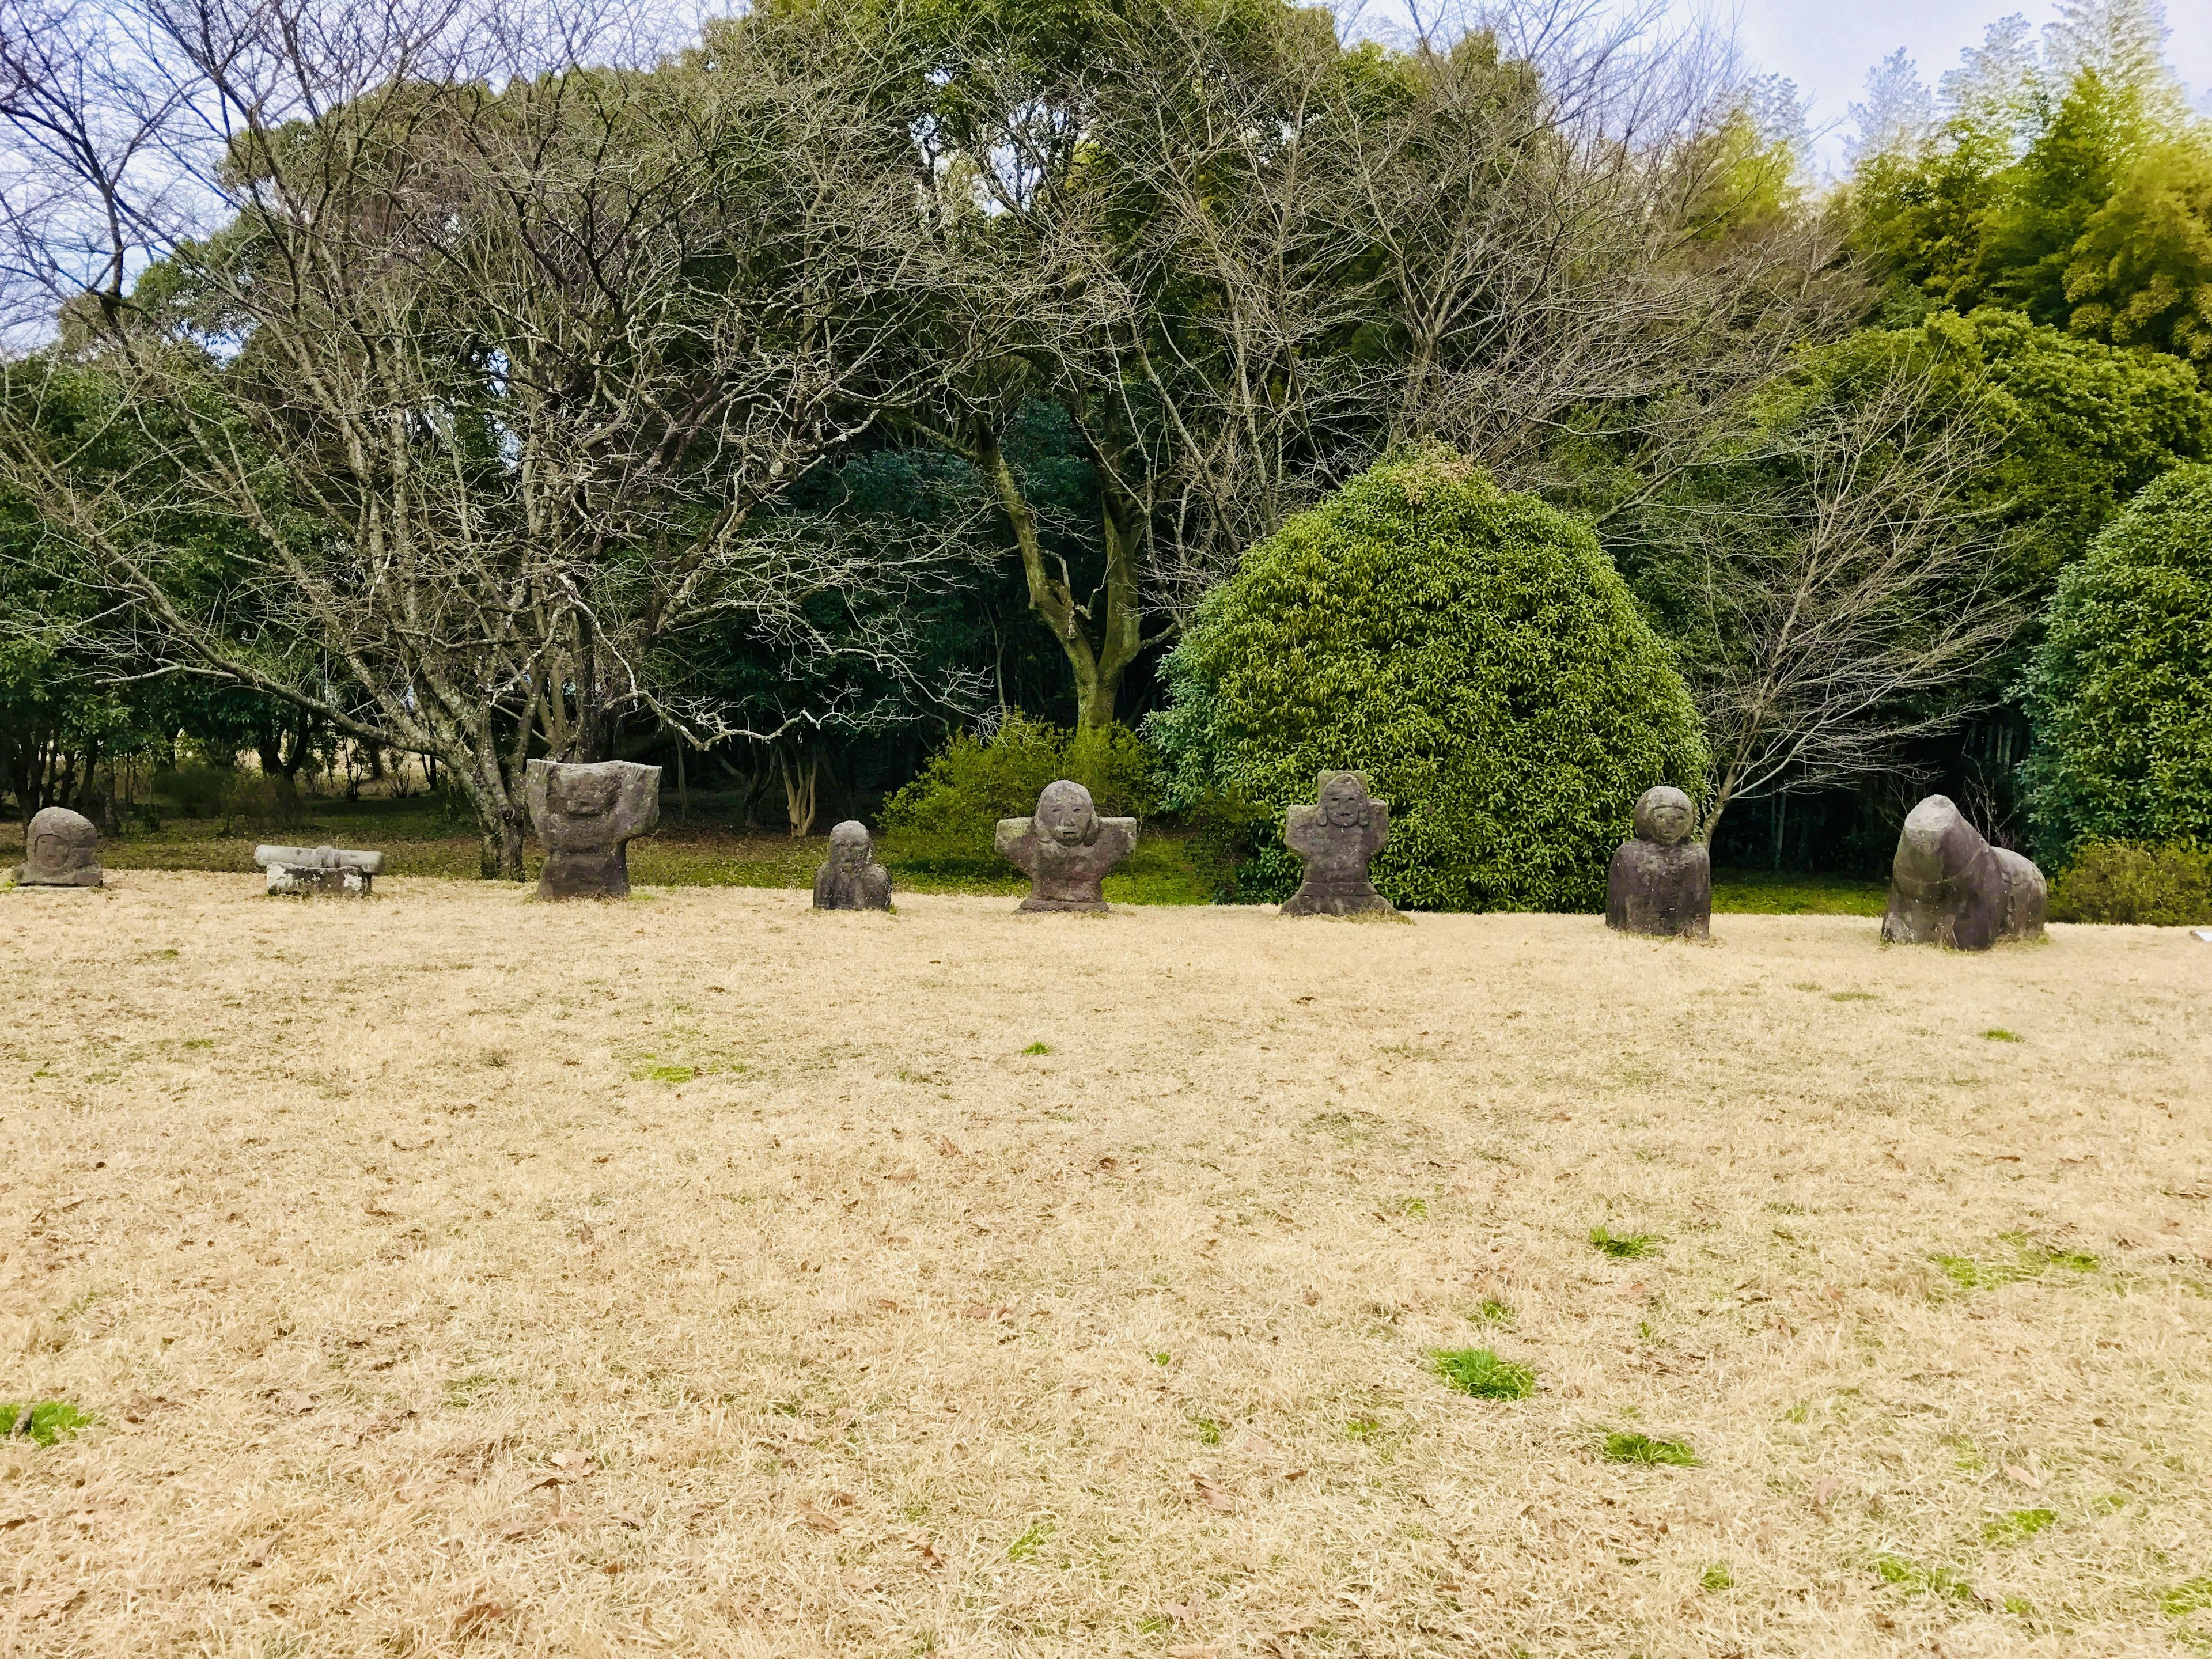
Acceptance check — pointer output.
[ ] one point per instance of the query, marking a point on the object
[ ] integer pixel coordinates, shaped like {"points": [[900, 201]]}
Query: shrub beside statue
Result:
{"points": [[1472, 653]]}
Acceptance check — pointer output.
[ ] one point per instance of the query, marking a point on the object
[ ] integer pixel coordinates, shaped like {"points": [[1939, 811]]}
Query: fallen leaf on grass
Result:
{"points": [[927, 1551], [293, 1400], [477, 1615], [531, 1525], [944, 1145], [573, 1461], [844, 1500], [2026, 1477], [1184, 1612], [1822, 1492], [259, 1555], [1210, 1494], [629, 1518], [906, 1177], [1209, 1650], [858, 1582], [816, 1519], [49, 1602]]}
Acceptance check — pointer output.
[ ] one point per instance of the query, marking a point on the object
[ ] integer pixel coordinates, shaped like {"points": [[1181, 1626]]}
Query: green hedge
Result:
{"points": [[2118, 881], [1475, 652], [2120, 693]]}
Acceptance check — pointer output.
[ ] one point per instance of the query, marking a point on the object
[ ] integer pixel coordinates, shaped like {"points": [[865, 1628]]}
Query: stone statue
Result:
{"points": [[1336, 839], [311, 871], [852, 879], [60, 849], [1066, 848], [1949, 886], [585, 815], [1662, 883]]}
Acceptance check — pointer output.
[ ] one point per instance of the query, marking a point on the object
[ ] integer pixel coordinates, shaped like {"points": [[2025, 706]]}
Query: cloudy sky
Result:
{"points": [[1826, 47]]}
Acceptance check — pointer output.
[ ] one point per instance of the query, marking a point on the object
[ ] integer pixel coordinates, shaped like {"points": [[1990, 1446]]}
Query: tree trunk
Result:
{"points": [[1097, 669]]}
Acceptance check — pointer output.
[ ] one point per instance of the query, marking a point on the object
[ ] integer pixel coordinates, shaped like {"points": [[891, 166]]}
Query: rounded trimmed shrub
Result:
{"points": [[1475, 652], [2119, 697], [2116, 881]]}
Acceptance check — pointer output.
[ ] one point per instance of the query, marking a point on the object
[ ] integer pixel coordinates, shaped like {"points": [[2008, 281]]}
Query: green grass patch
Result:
{"points": [[1623, 1247], [1492, 1312], [1998, 1033], [1031, 1541], [1916, 1580], [43, 1420], [2183, 1599], [1797, 893], [1626, 1446], [2029, 1260], [2019, 1525], [665, 1074], [1852, 996], [1481, 1373], [1038, 1048], [1209, 1429], [1717, 1578]]}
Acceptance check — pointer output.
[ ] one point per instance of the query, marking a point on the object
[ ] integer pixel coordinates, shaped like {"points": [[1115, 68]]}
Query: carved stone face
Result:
{"points": [[581, 794], [849, 848], [1664, 814], [64, 847], [1344, 802], [1065, 813]]}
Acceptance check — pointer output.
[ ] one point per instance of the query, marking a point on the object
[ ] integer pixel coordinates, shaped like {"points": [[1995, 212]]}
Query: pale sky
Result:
{"points": [[1826, 47]]}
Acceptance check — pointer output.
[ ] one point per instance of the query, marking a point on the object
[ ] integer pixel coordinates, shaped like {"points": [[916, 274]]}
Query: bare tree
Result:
{"points": [[1246, 261], [1833, 596], [497, 377]]}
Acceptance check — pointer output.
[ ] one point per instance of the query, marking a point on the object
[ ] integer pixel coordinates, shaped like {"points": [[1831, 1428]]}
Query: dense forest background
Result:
{"points": [[389, 382]]}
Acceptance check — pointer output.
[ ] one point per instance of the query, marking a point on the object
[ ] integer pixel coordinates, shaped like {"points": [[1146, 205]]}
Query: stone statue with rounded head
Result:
{"points": [[1662, 882], [1337, 837], [60, 849], [585, 815], [1948, 886], [852, 879], [1066, 848]]}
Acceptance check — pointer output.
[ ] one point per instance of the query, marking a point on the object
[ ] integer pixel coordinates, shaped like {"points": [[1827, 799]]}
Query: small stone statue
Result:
{"points": [[1949, 886], [310, 872], [585, 814], [852, 879], [1662, 883], [1066, 848], [60, 849], [1336, 839]]}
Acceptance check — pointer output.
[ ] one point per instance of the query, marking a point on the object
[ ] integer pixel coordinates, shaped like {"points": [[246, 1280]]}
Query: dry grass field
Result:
{"points": [[455, 1273]]}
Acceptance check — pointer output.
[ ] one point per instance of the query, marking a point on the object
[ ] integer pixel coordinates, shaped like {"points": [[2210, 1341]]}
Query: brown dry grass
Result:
{"points": [[358, 1228]]}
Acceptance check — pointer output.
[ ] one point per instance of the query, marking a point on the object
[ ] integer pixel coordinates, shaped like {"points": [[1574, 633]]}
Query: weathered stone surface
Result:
{"points": [[852, 879], [60, 849], [1949, 886], [312, 872], [1336, 838], [585, 815], [1066, 848], [1662, 882]]}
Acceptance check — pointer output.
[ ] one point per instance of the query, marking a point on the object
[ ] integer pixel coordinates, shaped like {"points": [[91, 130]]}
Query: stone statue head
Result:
{"points": [[60, 840], [1065, 815], [580, 793], [1344, 802], [1663, 814], [850, 846]]}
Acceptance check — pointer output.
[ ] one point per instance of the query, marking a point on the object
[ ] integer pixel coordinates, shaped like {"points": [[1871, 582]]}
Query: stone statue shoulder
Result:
{"points": [[1016, 841]]}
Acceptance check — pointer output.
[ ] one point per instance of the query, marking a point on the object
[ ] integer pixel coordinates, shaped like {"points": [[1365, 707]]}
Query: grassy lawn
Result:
{"points": [[454, 1273], [420, 839]]}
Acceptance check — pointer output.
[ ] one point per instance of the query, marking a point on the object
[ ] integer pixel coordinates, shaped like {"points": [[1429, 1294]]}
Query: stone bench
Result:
{"points": [[313, 871]]}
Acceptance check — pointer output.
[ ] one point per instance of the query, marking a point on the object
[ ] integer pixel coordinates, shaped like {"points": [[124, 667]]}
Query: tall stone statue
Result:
{"points": [[309, 871], [1336, 839], [1066, 848], [1662, 882], [852, 879], [60, 849], [1949, 886], [586, 815]]}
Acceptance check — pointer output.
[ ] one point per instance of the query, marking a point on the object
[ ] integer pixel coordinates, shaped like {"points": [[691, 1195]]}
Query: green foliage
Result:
{"points": [[2119, 696], [1717, 1578], [45, 1421], [1628, 1247], [1916, 1580], [1628, 1447], [2019, 1525], [1475, 652], [2029, 1260], [943, 821], [1481, 1373], [2133, 884]]}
